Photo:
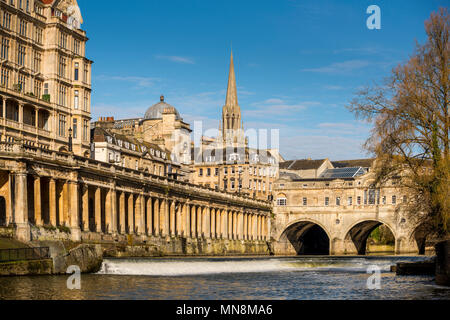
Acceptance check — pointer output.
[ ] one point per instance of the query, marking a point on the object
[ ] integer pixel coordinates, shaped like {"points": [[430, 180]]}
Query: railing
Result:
{"points": [[24, 254]]}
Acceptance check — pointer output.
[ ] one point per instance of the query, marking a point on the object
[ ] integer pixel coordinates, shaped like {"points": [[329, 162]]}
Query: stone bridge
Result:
{"points": [[340, 230]]}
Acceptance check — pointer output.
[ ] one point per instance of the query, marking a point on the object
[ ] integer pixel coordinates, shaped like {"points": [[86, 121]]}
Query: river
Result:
{"points": [[274, 278]]}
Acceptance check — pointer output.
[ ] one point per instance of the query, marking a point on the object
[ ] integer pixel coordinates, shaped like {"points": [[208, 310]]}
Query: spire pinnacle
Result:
{"points": [[231, 100]]}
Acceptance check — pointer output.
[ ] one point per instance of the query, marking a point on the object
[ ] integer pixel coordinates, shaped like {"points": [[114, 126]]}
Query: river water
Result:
{"points": [[275, 278]]}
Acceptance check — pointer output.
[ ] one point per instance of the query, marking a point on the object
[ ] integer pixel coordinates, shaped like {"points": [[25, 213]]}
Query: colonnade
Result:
{"points": [[110, 209]]}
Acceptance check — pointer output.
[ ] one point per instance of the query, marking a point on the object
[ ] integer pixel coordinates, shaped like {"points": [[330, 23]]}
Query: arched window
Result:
{"points": [[281, 200]]}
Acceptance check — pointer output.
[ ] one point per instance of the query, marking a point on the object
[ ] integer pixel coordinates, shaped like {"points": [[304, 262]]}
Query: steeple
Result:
{"points": [[232, 100], [232, 125]]}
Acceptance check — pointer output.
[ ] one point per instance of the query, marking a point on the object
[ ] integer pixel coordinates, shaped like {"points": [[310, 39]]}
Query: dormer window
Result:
{"points": [[234, 157]]}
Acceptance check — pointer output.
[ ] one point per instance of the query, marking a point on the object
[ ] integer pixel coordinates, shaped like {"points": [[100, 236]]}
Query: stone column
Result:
{"points": [[137, 215], [179, 219], [108, 211], [98, 209], [52, 201], [212, 214], [208, 222], [85, 204], [37, 201], [235, 225], [131, 214], [218, 224], [114, 210], [254, 227], [199, 221], [187, 226], [36, 115], [21, 114], [149, 216], [156, 216], [21, 207], [225, 223], [172, 217], [245, 226], [193, 221], [74, 209], [122, 204], [166, 217], [230, 225]]}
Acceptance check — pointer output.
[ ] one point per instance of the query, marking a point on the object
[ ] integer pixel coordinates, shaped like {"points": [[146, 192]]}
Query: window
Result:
{"points": [[270, 186], [233, 184], [250, 170], [305, 201], [6, 20], [350, 201], [38, 35], [405, 199], [62, 67], [63, 40], [200, 172], [77, 69], [136, 167], [225, 171], [85, 130], [5, 49], [208, 172], [37, 88], [338, 201], [86, 101], [233, 170], [37, 62], [76, 99], [5, 78], [86, 71], [23, 28], [38, 9], [22, 82], [216, 172], [281, 202], [384, 200], [21, 55], [358, 200], [327, 201], [62, 126], [62, 95], [394, 200], [76, 46], [372, 196], [75, 128]]}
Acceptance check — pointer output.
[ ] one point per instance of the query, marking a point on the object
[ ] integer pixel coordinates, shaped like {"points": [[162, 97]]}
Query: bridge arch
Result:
{"points": [[307, 237], [359, 232]]}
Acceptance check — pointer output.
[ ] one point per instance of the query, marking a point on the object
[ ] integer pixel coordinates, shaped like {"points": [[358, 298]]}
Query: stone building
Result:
{"points": [[45, 84], [331, 207], [51, 186], [161, 126], [126, 151], [227, 162]]}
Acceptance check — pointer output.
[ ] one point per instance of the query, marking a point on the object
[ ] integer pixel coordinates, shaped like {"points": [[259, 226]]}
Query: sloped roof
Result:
{"points": [[365, 163], [301, 164]]}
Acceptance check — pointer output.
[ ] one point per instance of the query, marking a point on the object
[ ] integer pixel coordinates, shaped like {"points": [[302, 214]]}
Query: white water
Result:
{"points": [[183, 267]]}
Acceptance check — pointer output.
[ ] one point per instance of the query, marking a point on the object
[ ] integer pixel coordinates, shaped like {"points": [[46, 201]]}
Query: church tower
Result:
{"points": [[232, 126]]}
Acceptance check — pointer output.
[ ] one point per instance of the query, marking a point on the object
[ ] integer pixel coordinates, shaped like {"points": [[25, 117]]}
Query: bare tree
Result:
{"points": [[410, 136]]}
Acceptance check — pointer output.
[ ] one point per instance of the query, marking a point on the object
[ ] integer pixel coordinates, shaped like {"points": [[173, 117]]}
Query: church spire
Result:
{"points": [[231, 100]]}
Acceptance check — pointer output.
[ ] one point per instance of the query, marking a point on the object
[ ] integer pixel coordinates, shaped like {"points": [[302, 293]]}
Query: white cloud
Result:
{"points": [[340, 67], [177, 59]]}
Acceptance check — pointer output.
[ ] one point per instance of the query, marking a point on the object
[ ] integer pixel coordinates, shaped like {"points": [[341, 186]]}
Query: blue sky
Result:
{"points": [[298, 63]]}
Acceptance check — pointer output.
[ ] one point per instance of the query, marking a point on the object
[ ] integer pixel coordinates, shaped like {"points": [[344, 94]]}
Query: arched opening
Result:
{"points": [[2, 212], [29, 115], [12, 110], [43, 121], [308, 238], [371, 237]]}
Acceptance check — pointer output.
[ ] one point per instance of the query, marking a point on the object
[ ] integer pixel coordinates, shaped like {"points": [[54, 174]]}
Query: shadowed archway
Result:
{"points": [[360, 232], [307, 238]]}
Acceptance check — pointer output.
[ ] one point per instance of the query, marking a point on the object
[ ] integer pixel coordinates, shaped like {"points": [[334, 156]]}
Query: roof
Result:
{"points": [[342, 173], [289, 176], [365, 163], [156, 111], [231, 154], [301, 164]]}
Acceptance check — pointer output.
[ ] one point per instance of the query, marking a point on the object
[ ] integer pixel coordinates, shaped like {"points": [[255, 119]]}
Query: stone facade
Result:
{"points": [[96, 201], [337, 214], [45, 82]]}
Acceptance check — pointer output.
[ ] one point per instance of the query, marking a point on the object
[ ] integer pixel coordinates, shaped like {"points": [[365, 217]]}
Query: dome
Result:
{"points": [[156, 111]]}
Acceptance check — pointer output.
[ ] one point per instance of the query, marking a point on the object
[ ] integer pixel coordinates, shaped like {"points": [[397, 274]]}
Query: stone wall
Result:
{"points": [[443, 263], [27, 268]]}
